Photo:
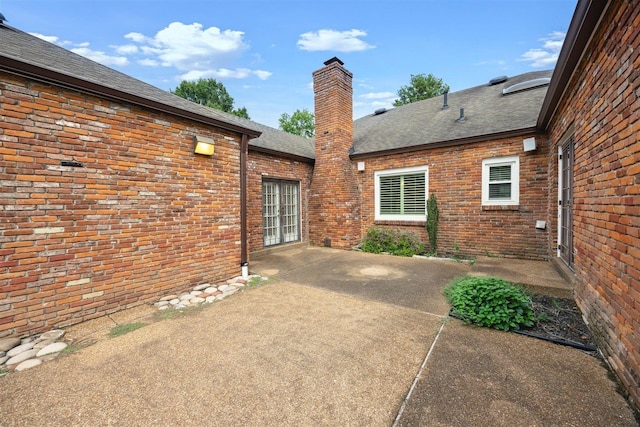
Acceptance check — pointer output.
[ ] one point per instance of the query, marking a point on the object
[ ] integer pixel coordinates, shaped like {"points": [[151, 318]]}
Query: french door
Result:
{"points": [[280, 211], [565, 202]]}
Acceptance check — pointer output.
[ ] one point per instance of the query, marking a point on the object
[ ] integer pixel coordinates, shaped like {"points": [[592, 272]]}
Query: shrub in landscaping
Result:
{"points": [[490, 302], [395, 242], [433, 215]]}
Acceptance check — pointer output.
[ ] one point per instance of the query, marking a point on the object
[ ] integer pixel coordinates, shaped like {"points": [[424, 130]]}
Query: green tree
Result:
{"points": [[299, 123], [211, 93], [422, 87]]}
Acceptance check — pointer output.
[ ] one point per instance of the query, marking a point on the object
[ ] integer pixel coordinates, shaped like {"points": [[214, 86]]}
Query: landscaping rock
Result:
{"points": [[54, 335], [20, 349], [27, 364], [56, 347], [7, 344], [22, 357]]}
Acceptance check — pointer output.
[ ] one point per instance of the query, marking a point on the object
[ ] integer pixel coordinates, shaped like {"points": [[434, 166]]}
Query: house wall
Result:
{"points": [[262, 166], [466, 228], [144, 216], [602, 102]]}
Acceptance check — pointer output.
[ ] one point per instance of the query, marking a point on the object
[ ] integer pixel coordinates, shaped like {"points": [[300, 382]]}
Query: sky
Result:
{"points": [[264, 52]]}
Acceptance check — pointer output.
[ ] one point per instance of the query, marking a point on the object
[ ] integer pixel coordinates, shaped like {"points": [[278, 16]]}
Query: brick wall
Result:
{"points": [[261, 166], [143, 217], [455, 177], [334, 195], [602, 103]]}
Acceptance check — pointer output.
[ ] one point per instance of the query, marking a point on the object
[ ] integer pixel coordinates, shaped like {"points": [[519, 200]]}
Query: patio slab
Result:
{"points": [[335, 338]]}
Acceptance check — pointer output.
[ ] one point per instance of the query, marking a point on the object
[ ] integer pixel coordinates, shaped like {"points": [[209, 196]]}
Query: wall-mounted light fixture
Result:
{"points": [[203, 145], [360, 166]]}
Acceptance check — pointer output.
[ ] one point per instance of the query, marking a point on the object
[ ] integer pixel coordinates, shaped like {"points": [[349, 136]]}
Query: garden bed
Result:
{"points": [[560, 320]]}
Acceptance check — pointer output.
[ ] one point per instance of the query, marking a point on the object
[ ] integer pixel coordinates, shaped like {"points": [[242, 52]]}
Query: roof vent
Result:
{"points": [[526, 85], [445, 103], [380, 111], [498, 80]]}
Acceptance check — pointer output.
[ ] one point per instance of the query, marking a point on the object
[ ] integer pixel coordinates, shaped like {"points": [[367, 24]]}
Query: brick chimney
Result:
{"points": [[334, 201]]}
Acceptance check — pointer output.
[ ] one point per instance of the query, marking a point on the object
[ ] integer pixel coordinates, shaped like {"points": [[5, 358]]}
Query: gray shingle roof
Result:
{"points": [[486, 110], [28, 49]]}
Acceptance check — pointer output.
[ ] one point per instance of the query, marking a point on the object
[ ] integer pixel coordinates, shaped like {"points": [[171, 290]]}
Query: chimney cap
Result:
{"points": [[332, 60]]}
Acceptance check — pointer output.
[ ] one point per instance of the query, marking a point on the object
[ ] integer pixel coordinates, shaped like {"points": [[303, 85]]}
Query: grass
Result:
{"points": [[72, 348], [173, 313], [258, 281], [125, 328]]}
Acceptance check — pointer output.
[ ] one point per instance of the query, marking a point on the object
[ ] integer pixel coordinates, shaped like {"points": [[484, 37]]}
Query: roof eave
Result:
{"points": [[585, 19], [448, 143], [291, 156], [45, 75]]}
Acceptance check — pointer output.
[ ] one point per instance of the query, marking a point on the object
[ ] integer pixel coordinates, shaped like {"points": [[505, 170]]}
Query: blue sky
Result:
{"points": [[265, 51]]}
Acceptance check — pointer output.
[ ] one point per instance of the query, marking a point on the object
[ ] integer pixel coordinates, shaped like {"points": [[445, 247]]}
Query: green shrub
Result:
{"points": [[433, 215], [396, 242], [490, 302]]}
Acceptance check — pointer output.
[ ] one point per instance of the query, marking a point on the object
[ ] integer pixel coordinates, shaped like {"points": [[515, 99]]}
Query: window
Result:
{"points": [[401, 194], [500, 181]]}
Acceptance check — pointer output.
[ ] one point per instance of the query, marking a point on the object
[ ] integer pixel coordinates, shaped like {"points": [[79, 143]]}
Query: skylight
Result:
{"points": [[529, 84]]}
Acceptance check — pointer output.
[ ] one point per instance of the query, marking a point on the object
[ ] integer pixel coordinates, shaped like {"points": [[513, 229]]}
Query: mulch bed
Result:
{"points": [[560, 321]]}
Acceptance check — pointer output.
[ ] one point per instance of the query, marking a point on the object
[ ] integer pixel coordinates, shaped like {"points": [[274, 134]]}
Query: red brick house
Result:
{"points": [[105, 205]]}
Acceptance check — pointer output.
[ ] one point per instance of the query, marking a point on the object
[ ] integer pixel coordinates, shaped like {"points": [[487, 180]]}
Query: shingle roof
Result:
{"points": [[487, 112], [31, 51], [422, 123], [274, 141]]}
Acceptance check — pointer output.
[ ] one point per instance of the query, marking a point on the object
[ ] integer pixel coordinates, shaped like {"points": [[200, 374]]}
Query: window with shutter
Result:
{"points": [[401, 194]]}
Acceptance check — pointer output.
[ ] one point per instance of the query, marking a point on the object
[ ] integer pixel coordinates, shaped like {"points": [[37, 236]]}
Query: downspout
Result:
{"points": [[244, 258]]}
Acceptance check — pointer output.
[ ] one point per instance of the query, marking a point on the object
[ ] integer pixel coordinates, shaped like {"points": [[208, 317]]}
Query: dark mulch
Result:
{"points": [[560, 320]]}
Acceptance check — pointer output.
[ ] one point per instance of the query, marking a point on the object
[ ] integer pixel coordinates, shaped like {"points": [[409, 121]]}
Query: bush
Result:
{"points": [[433, 215], [395, 242], [490, 302]]}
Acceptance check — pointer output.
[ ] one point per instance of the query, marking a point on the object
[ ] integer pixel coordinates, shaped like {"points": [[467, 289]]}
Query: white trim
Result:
{"points": [[396, 172], [514, 162]]}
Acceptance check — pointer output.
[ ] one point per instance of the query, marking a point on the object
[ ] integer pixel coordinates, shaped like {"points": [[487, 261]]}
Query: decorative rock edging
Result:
{"points": [[205, 293], [23, 353], [20, 354]]}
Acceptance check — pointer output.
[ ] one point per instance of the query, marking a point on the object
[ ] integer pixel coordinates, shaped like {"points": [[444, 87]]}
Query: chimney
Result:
{"points": [[334, 199]]}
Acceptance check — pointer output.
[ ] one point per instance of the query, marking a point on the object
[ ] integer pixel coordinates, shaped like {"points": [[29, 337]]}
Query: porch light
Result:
{"points": [[203, 145]]}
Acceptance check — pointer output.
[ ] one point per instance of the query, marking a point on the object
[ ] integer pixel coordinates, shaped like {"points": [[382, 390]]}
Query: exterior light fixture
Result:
{"points": [[203, 145], [529, 144]]}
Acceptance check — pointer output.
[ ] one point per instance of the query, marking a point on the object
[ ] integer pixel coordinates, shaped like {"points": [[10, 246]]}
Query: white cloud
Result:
{"points": [[195, 51], [51, 39], [547, 55], [225, 73], [101, 57], [377, 95], [262, 75], [369, 102], [136, 37], [149, 62], [340, 41], [127, 49]]}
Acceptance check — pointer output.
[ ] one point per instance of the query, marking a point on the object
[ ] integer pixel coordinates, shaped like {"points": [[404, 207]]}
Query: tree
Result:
{"points": [[422, 87], [299, 123], [211, 93]]}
